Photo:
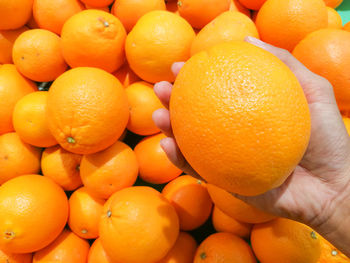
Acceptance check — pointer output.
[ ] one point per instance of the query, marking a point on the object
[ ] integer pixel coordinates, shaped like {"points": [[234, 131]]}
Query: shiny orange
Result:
{"points": [[7, 38], [97, 254], [97, 3], [15, 13], [252, 4], [15, 258], [334, 19], [126, 76], [330, 254]]}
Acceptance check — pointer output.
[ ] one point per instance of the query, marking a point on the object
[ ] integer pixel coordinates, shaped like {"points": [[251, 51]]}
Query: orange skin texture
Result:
{"points": [[158, 39], [15, 14], [295, 21], [224, 248], [97, 254], [252, 4], [34, 211], [62, 167], [52, 15], [329, 254], [143, 102], [228, 26], [109, 171], [68, 248], [224, 223], [326, 52], [97, 3], [208, 102], [126, 76], [15, 258], [85, 211], [200, 12], [333, 3], [130, 11], [334, 19], [138, 225], [295, 242], [94, 38], [236, 208], [7, 38], [29, 120], [191, 200], [13, 86], [148, 153], [17, 157], [183, 251], [87, 123], [237, 6], [347, 26]]}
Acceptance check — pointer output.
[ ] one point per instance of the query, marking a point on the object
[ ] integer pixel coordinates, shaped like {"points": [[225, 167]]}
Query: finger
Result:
{"points": [[161, 118], [163, 91], [175, 68]]}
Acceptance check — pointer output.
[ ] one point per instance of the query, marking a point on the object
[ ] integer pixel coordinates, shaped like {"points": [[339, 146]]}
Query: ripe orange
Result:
{"points": [[126, 76], [15, 258], [237, 6], [158, 39], [224, 248], [138, 225], [183, 251], [252, 4], [95, 111], [7, 38], [154, 164], [200, 12], [334, 19], [94, 38], [13, 86], [67, 248], [224, 223], [347, 124], [62, 167], [98, 3], [17, 157], [347, 26], [329, 254], [228, 26], [239, 87], [142, 103], [284, 240], [97, 254], [191, 200], [295, 19], [37, 55], [34, 211], [29, 120], [236, 208], [15, 13], [52, 15], [333, 3], [130, 11]]}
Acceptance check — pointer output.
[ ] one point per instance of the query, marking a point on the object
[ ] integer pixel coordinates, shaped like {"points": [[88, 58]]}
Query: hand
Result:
{"points": [[317, 193]]}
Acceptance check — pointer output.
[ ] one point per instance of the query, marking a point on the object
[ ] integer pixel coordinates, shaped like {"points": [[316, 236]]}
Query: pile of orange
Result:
{"points": [[83, 176]]}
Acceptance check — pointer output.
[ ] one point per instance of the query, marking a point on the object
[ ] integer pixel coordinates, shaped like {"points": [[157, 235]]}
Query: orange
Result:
{"points": [[224, 223], [13, 86], [172, 6], [329, 254], [347, 124], [15, 258], [296, 19], [224, 248], [37, 55], [32, 24], [154, 164], [34, 211], [97, 254], [236, 208], [284, 240], [15, 13], [94, 38], [228, 26], [51, 15], [158, 39], [95, 111], [191, 200], [130, 11], [183, 251], [7, 38], [109, 171], [17, 157], [200, 12], [142, 103], [326, 52], [239, 87], [103, 8], [97, 3], [333, 3], [347, 26], [62, 167], [334, 19], [252, 4], [138, 225], [67, 248], [29, 120], [126, 76], [236, 5], [85, 211]]}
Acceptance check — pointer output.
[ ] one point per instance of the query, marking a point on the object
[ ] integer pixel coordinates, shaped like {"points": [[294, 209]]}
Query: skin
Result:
{"points": [[317, 193]]}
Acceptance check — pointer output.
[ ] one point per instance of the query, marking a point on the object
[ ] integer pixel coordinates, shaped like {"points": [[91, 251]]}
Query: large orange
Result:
{"points": [[95, 111], [158, 39], [7, 38], [242, 88], [13, 86], [15, 258], [287, 241], [329, 254], [125, 75], [17, 157], [285, 23], [98, 3], [97, 254], [334, 19], [138, 225], [94, 38], [34, 211], [333, 3], [252, 4], [326, 52], [15, 13]]}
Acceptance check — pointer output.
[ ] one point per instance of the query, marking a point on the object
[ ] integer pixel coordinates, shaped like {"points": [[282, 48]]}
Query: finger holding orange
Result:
{"points": [[15, 14], [15, 258], [7, 39]]}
